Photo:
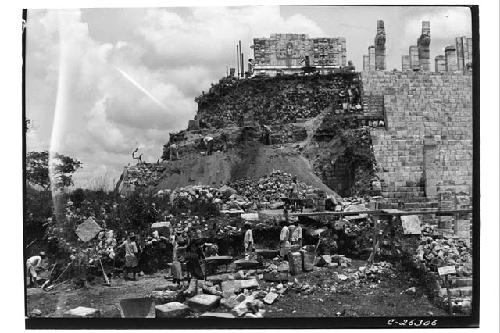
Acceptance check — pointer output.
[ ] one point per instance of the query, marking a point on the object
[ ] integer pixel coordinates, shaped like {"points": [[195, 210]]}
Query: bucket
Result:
{"points": [[308, 260], [143, 307]]}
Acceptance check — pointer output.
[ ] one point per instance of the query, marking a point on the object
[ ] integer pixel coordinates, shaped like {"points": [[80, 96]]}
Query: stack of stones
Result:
{"points": [[271, 188], [434, 253]]}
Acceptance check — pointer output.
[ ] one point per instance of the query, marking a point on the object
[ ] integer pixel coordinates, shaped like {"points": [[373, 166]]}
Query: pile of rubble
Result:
{"points": [[433, 253], [246, 293], [272, 188], [279, 99], [142, 175]]}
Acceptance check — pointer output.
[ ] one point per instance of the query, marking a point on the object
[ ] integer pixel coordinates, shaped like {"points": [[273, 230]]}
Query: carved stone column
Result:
{"points": [[380, 46]]}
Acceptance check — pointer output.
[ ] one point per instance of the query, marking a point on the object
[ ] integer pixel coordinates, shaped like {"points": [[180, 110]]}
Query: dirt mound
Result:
{"points": [[249, 161]]}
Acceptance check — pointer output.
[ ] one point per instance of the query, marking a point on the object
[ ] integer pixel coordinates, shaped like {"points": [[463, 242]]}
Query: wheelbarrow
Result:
{"points": [[143, 307]]}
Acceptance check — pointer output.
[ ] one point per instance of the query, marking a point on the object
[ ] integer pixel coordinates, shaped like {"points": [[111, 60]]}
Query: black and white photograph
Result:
{"points": [[271, 166]]}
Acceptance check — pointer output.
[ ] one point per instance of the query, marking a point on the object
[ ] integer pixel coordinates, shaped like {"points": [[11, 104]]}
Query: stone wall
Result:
{"points": [[289, 50], [425, 148]]}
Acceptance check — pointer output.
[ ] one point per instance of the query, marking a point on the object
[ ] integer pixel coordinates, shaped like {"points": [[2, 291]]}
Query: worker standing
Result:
{"points": [[208, 141], [297, 235], [267, 135], [33, 265], [248, 240], [130, 255], [284, 243], [176, 268], [174, 151], [294, 193]]}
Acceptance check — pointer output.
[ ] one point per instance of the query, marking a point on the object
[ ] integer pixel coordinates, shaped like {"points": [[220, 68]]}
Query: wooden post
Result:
{"points": [[238, 59], [447, 284], [375, 241], [104, 273], [241, 59]]}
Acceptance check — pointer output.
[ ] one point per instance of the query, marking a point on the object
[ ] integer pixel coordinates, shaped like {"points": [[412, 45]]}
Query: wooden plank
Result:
{"points": [[382, 213]]}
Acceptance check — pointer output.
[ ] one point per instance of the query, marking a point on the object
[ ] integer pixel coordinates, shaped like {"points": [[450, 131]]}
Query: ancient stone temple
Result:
{"points": [[286, 54], [380, 46], [423, 44]]}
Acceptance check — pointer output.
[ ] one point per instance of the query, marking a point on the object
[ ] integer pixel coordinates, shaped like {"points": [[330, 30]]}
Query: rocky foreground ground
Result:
{"points": [[328, 291]]}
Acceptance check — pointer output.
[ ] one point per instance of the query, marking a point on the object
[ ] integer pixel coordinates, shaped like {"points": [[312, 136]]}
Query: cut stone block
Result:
{"points": [[247, 263], [166, 296], [217, 315], [463, 282], [295, 262], [220, 277], [82, 312], [171, 310], [203, 302], [229, 287], [248, 284], [168, 286], [308, 261], [237, 285]]}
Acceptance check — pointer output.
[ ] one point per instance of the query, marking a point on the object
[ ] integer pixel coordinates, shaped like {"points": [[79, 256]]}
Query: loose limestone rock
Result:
{"points": [[35, 313], [229, 302], [171, 310], [203, 302], [220, 277], [192, 289], [270, 298]]}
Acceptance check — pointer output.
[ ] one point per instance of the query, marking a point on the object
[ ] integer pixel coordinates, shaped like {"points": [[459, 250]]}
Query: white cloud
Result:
{"points": [[445, 23], [172, 57]]}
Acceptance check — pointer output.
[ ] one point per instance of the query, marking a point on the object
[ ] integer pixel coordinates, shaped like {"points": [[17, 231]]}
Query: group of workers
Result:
{"points": [[290, 235], [350, 98], [171, 150]]}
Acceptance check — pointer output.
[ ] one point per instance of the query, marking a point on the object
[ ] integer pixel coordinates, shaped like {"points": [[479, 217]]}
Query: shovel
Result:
{"points": [[104, 273]]}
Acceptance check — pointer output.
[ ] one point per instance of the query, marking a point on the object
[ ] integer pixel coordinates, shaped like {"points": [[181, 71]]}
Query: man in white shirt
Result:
{"points": [[208, 141], [34, 264], [248, 240], [297, 235], [284, 243]]}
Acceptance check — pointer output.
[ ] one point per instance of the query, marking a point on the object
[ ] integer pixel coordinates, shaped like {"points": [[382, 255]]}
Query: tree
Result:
{"points": [[37, 169]]}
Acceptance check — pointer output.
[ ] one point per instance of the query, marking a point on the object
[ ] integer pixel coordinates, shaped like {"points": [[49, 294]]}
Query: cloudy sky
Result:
{"points": [[101, 82]]}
